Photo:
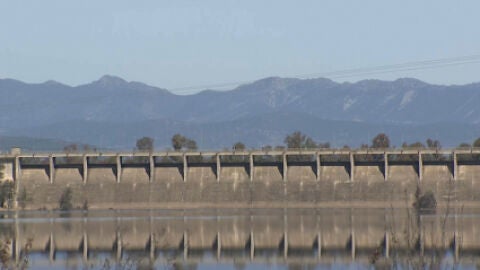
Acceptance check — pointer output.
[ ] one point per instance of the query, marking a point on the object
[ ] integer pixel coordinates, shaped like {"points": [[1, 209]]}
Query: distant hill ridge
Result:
{"points": [[52, 110]]}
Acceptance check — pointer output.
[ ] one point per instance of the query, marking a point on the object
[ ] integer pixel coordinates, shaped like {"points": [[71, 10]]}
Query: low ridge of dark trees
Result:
{"points": [[294, 141], [180, 142], [145, 144]]}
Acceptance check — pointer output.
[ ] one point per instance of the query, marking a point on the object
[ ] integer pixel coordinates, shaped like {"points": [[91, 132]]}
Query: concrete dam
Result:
{"points": [[290, 178]]}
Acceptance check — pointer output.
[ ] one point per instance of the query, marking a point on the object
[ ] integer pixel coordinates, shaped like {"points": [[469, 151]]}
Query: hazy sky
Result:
{"points": [[176, 44]]}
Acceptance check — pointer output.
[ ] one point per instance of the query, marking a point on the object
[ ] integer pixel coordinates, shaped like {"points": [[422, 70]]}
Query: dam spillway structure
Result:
{"points": [[290, 178]]}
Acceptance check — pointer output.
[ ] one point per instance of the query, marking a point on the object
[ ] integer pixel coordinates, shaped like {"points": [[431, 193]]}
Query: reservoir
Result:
{"points": [[288, 238]]}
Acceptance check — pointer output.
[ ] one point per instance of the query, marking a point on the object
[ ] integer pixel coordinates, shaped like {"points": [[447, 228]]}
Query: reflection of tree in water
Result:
{"points": [[72, 261], [183, 266], [67, 224], [239, 265], [298, 266]]}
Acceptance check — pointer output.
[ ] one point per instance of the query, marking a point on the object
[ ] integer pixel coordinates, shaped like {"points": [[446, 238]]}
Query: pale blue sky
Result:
{"points": [[176, 44]]}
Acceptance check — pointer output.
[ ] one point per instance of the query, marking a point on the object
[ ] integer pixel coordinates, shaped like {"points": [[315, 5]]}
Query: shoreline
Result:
{"points": [[246, 206]]}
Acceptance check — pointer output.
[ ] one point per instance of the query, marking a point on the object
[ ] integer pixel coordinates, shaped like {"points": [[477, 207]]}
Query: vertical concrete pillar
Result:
{"points": [[456, 239], [85, 247], [285, 245], [455, 166], [119, 246], [251, 168], [285, 234], [16, 245], [352, 167], [421, 237], [185, 245], [151, 248], [285, 167], [51, 248], [51, 168], [218, 167], [85, 168], [185, 168], [386, 242], [353, 244], [151, 162], [420, 166], [17, 169], [317, 157], [385, 169], [219, 245], [119, 168], [352, 235], [252, 246], [319, 245]]}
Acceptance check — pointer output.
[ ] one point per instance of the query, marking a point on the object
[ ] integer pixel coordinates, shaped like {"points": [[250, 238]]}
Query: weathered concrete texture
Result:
{"points": [[301, 191], [343, 191], [102, 175], [203, 240], [401, 173], [301, 173], [335, 231], [102, 193], [7, 171], [134, 234], [470, 238], [235, 240], [268, 232], [468, 172], [268, 191], [367, 230], [269, 188], [368, 173], [402, 192], [34, 176], [263, 173], [437, 231], [332, 173], [135, 175], [169, 174], [200, 191], [464, 190], [306, 236], [369, 190], [201, 174], [234, 173], [437, 173], [68, 175], [234, 191], [326, 191], [475, 190], [167, 192], [168, 233]]}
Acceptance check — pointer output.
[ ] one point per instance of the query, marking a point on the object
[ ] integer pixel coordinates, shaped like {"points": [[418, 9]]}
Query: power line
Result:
{"points": [[355, 72]]}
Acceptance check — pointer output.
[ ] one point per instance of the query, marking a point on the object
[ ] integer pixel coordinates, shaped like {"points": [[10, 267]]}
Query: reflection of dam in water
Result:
{"points": [[304, 235]]}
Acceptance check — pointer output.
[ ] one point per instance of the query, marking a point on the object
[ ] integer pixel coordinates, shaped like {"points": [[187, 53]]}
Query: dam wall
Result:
{"points": [[243, 179]]}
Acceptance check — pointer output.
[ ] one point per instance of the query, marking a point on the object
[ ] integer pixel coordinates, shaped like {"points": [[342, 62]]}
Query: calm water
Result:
{"points": [[241, 239]]}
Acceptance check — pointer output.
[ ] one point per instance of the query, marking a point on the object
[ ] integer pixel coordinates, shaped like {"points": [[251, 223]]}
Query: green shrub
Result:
{"points": [[23, 198], [65, 201], [425, 202], [7, 193]]}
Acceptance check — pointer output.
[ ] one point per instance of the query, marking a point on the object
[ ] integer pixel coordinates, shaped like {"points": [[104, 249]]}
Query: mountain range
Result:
{"points": [[113, 113]]}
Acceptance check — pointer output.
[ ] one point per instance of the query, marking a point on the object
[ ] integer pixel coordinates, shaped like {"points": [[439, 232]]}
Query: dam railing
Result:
{"points": [[315, 158]]}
